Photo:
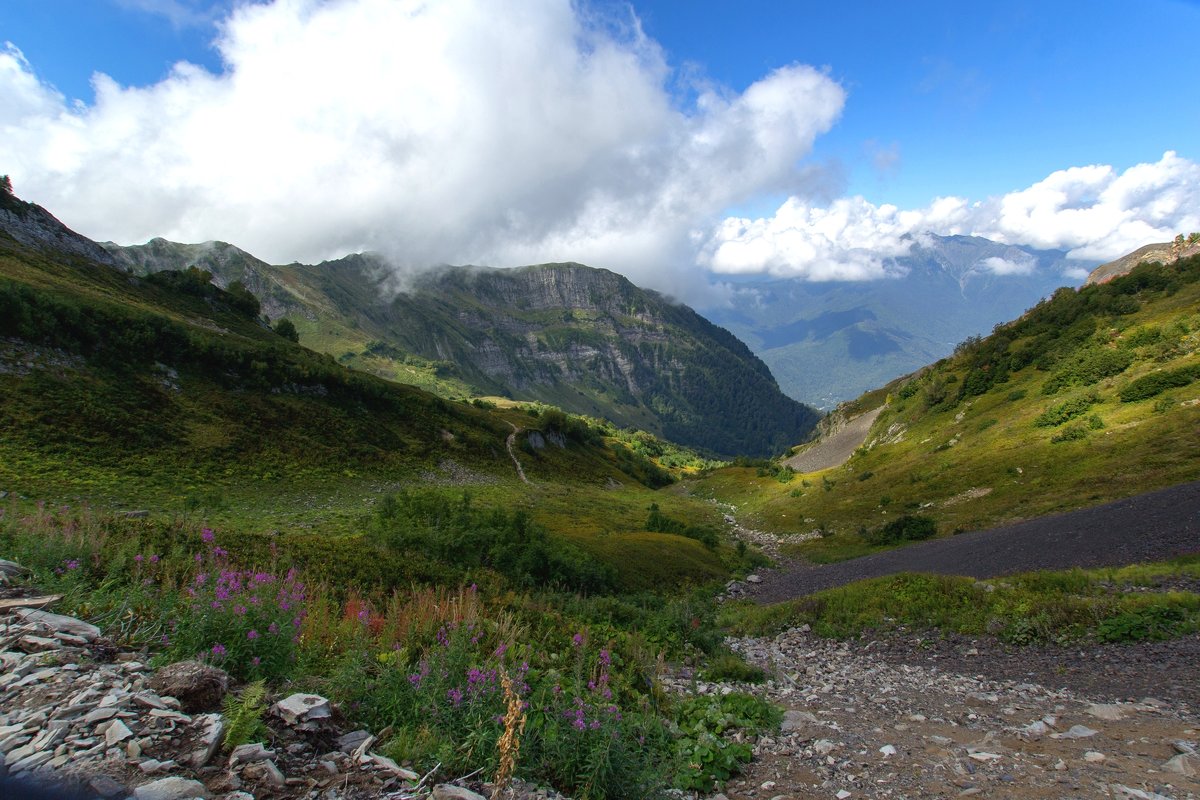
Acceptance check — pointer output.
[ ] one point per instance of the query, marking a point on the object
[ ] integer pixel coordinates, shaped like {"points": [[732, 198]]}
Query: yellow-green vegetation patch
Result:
{"points": [[1106, 605], [654, 560]]}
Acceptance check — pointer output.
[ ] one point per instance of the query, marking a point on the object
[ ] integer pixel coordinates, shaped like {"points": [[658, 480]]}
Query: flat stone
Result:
{"points": [[448, 791], [391, 766], [37, 644], [173, 788], [349, 742], [300, 708], [58, 622], [249, 753], [887, 750], [116, 732], [1075, 732], [1186, 764], [211, 727], [1094, 757], [99, 715]]}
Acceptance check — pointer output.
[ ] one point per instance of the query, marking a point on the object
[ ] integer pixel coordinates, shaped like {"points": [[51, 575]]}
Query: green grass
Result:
{"points": [[975, 460], [1069, 606]]}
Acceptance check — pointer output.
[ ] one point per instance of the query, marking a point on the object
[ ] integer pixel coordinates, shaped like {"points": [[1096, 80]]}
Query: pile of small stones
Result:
{"points": [[858, 727]]}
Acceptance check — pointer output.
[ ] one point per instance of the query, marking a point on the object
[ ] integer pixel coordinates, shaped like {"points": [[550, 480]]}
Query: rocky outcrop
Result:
{"points": [[33, 226], [1163, 252]]}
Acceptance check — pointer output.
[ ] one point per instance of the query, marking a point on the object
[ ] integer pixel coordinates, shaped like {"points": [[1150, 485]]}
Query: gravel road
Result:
{"points": [[1151, 526]]}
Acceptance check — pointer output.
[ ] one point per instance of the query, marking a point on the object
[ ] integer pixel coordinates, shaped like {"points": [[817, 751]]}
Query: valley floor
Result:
{"points": [[1147, 527]]}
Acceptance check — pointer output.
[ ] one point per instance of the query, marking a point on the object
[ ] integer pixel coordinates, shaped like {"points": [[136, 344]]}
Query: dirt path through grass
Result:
{"points": [[833, 451], [508, 445], [1152, 526]]}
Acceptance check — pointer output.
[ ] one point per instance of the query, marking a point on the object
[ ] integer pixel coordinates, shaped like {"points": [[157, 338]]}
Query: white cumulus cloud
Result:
{"points": [[457, 131], [1094, 212]]}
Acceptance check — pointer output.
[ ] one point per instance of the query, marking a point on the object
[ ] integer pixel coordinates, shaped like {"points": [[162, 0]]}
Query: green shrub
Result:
{"points": [[1158, 382], [1071, 433], [732, 668], [1066, 411], [906, 528]]}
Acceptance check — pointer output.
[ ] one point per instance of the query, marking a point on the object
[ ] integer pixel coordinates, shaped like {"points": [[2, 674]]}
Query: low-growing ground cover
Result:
{"points": [[1098, 605], [443, 664]]}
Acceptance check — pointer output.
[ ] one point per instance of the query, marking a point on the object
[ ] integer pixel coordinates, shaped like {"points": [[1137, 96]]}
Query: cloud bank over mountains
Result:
{"points": [[469, 131], [1095, 213]]}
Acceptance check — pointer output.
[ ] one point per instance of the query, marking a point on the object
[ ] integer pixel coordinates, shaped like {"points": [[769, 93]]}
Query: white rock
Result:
{"points": [[299, 708], [888, 750], [1075, 732], [1036, 729], [1093, 757], [981, 755], [173, 788], [843, 794], [823, 747]]}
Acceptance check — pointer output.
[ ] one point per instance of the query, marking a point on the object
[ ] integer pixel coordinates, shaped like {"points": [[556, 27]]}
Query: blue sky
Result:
{"points": [[905, 103]]}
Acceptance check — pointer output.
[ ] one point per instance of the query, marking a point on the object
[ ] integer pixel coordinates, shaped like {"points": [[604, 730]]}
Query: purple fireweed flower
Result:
{"points": [[251, 634], [577, 639], [207, 535], [154, 559], [138, 558], [455, 695], [605, 658], [256, 661], [501, 650], [218, 650], [272, 628]]}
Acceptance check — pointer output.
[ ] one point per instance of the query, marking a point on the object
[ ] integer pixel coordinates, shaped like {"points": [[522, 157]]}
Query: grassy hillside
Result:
{"points": [[168, 394], [1090, 396]]}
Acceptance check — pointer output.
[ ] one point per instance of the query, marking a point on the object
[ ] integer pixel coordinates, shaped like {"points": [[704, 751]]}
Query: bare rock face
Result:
{"points": [[198, 687]]}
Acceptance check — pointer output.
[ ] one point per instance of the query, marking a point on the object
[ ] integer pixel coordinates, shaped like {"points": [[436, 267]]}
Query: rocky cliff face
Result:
{"points": [[33, 226], [590, 341]]}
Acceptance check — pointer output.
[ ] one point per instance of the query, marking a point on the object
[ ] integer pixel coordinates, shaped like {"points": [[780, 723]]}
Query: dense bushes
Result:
{"points": [[1158, 382], [1066, 411]]}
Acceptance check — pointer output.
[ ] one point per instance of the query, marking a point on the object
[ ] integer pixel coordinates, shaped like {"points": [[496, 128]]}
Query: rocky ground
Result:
{"points": [[859, 725]]}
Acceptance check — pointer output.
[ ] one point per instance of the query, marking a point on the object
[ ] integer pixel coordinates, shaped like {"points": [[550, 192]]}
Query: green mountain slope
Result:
{"points": [[170, 394], [1090, 396], [584, 339]]}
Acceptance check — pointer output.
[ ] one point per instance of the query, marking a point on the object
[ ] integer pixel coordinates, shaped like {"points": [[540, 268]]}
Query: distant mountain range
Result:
{"points": [[586, 340], [829, 342]]}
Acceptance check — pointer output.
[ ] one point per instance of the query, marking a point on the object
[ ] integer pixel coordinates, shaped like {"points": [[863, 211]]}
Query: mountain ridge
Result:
{"points": [[582, 338]]}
